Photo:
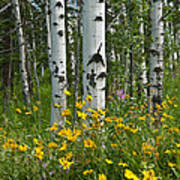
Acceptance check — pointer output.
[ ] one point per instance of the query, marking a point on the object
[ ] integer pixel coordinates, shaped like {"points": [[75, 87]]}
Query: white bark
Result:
{"points": [[156, 53], [5, 7], [34, 57], [143, 64], [58, 60], [94, 60], [21, 51], [47, 10]]}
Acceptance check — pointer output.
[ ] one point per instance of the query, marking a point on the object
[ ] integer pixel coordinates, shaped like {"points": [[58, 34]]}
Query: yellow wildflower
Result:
{"points": [[28, 113], [63, 147], [149, 175], [82, 115], [122, 164], [66, 112], [54, 127], [89, 98], [114, 145], [65, 163], [39, 153], [142, 118], [102, 177], [108, 161], [130, 175], [89, 144], [79, 105], [52, 145], [67, 93], [57, 106], [22, 148], [88, 171], [102, 112], [84, 126], [18, 111], [108, 119], [69, 155], [171, 164], [35, 108], [178, 145]]}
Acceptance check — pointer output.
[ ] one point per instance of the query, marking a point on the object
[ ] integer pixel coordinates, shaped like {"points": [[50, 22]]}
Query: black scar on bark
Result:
{"points": [[88, 76], [87, 88], [61, 79], [56, 70], [54, 62], [57, 96], [63, 72], [58, 4], [60, 33], [97, 57], [92, 78], [49, 12], [103, 89], [98, 18], [157, 70], [55, 23], [101, 75], [61, 62], [22, 70], [101, 1], [154, 52], [61, 16]]}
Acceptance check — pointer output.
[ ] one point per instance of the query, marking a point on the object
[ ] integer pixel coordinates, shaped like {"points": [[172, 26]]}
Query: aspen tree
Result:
{"points": [[58, 60], [156, 53], [21, 51], [94, 60]]}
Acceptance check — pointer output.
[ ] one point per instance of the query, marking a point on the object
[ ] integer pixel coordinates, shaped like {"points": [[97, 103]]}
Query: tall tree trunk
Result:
{"points": [[156, 54], [22, 51], [48, 12], [34, 57], [143, 77], [58, 60], [78, 57], [94, 60]]}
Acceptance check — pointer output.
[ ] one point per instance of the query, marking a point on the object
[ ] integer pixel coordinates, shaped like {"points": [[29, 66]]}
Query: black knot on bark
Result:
{"points": [[60, 33], [59, 4], [98, 18]]}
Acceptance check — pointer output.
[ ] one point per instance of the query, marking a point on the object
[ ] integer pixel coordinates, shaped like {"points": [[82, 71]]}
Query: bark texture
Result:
{"points": [[156, 53], [58, 60], [22, 51], [94, 60]]}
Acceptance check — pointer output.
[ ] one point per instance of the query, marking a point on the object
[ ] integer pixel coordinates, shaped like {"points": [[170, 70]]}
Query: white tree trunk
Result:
{"points": [[47, 10], [156, 53], [58, 60], [143, 64], [94, 60], [21, 51]]}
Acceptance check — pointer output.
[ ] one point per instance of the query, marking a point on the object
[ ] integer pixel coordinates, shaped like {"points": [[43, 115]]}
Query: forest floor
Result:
{"points": [[129, 144]]}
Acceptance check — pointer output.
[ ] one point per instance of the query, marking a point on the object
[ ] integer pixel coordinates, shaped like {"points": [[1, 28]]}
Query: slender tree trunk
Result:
{"points": [[58, 60], [78, 57], [34, 57], [22, 51], [94, 60], [156, 54], [143, 64], [48, 12]]}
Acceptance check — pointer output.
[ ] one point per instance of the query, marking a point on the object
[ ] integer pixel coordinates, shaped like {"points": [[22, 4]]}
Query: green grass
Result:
{"points": [[143, 145]]}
